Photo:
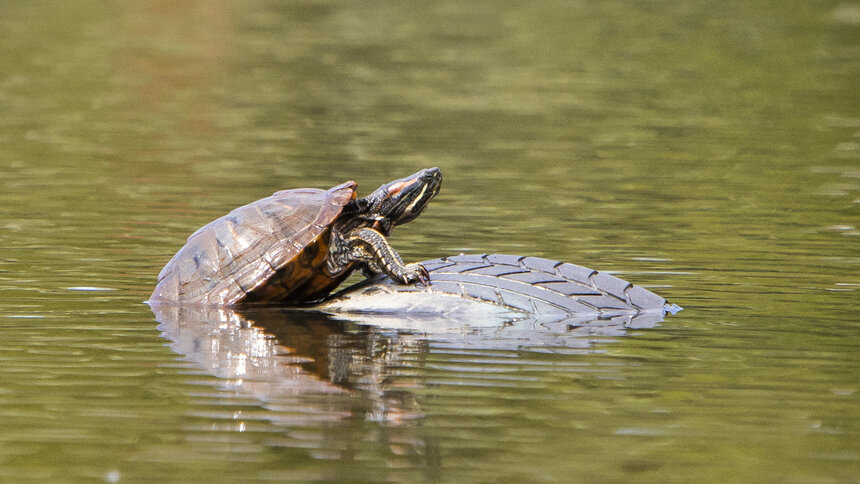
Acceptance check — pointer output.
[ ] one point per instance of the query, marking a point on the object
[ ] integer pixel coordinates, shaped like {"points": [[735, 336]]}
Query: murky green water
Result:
{"points": [[709, 151]]}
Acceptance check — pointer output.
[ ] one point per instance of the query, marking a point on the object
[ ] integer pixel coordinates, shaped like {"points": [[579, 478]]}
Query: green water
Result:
{"points": [[709, 151]]}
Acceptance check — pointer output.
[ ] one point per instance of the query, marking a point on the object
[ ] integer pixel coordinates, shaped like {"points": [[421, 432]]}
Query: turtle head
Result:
{"points": [[399, 201]]}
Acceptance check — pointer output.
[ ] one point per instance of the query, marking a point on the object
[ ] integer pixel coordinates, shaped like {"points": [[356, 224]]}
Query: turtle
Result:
{"points": [[297, 245]]}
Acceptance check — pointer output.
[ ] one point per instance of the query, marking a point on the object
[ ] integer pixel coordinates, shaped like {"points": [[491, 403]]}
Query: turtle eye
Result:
{"points": [[430, 174]]}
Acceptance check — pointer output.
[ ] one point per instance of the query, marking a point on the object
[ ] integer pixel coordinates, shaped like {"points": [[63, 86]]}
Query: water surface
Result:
{"points": [[707, 151]]}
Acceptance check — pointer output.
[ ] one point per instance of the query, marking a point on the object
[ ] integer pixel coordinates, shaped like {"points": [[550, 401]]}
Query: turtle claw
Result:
{"points": [[416, 273], [423, 276]]}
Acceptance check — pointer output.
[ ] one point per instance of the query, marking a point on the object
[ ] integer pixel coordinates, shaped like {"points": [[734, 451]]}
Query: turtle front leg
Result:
{"points": [[371, 247]]}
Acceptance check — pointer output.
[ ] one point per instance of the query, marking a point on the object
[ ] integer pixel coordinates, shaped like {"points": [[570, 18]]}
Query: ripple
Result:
{"points": [[847, 13]]}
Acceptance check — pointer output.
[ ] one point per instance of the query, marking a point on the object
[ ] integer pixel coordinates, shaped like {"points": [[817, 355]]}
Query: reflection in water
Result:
{"points": [[228, 346], [304, 368], [309, 369]]}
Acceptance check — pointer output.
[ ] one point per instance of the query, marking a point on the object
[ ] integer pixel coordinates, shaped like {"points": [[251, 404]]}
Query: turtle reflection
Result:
{"points": [[312, 375]]}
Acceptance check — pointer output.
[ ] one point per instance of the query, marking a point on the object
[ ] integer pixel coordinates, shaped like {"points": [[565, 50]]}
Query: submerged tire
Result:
{"points": [[536, 287]]}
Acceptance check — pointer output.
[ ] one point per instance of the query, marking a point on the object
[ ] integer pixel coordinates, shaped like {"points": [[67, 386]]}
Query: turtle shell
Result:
{"points": [[264, 251]]}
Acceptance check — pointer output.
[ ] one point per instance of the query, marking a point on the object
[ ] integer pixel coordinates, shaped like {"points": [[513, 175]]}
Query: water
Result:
{"points": [[708, 151]]}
